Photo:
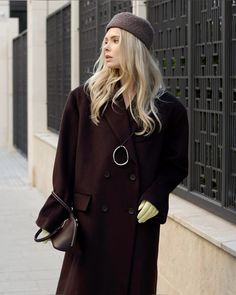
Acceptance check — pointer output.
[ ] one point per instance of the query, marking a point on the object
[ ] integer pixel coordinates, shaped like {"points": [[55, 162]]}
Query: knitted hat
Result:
{"points": [[138, 26]]}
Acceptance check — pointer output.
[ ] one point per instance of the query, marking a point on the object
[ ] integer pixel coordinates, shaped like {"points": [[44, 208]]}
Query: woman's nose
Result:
{"points": [[107, 47]]}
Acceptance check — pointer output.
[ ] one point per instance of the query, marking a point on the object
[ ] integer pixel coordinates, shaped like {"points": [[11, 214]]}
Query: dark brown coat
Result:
{"points": [[115, 255]]}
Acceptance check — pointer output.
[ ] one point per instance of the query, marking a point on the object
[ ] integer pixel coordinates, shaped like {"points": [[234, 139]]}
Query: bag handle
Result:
{"points": [[49, 236], [70, 210]]}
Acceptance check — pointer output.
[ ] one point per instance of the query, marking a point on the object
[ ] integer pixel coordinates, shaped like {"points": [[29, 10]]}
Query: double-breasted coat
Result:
{"points": [[114, 254]]}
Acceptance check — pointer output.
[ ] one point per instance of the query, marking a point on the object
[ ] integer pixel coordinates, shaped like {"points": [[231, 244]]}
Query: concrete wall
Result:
{"points": [[12, 32], [139, 8], [45, 148], [53, 5], [197, 252], [36, 48], [42, 142], [4, 9], [8, 31]]}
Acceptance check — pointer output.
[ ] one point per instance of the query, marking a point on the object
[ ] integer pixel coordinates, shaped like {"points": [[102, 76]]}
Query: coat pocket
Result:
{"points": [[82, 201]]}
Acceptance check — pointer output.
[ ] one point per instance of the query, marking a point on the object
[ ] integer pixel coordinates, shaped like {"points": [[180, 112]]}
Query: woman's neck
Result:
{"points": [[129, 94]]}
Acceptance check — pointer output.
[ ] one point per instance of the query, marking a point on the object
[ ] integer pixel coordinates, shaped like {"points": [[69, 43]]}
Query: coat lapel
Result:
{"points": [[118, 120]]}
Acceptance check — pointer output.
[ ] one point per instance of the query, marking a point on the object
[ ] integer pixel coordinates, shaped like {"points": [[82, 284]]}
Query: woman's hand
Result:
{"points": [[147, 211], [44, 234]]}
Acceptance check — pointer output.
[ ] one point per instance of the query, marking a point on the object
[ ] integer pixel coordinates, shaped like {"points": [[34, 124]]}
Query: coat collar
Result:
{"points": [[122, 124]]}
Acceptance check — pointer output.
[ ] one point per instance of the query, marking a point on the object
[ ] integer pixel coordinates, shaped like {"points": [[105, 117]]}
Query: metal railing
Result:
{"points": [[58, 64], [194, 43], [20, 92], [94, 16]]}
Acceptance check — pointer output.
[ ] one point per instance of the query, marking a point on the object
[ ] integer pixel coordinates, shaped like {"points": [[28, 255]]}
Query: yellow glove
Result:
{"points": [[44, 234], [147, 211]]}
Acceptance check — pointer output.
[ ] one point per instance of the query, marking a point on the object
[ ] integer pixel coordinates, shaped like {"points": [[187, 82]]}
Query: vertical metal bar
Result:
{"points": [[20, 92], [63, 24], [26, 100], [79, 46], [226, 33], [97, 26], [110, 9], [58, 65], [190, 16]]}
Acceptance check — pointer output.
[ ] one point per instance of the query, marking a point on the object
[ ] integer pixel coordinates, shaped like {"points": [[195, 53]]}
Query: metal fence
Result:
{"points": [[18, 9], [94, 16], [58, 64], [20, 92], [194, 43]]}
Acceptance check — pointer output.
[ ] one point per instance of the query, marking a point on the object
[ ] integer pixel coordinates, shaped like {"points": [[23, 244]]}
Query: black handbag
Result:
{"points": [[63, 238]]}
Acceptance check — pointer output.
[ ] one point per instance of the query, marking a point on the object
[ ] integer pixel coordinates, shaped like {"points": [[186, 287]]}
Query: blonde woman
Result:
{"points": [[123, 147]]}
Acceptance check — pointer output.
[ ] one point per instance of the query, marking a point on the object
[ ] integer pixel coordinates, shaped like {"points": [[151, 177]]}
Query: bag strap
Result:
{"points": [[44, 238], [70, 210]]}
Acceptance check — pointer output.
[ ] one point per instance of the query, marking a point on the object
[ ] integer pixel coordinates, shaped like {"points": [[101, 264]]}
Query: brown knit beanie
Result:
{"points": [[138, 26]]}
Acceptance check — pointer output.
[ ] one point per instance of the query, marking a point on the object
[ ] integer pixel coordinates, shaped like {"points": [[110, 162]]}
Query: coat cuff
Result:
{"points": [[162, 205], [52, 215]]}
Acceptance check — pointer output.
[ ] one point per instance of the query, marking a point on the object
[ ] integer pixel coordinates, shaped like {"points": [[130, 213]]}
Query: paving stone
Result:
{"points": [[26, 267]]}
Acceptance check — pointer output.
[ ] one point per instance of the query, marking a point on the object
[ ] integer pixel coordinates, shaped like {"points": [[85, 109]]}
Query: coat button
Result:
{"points": [[104, 208], [131, 211], [132, 177], [107, 174]]}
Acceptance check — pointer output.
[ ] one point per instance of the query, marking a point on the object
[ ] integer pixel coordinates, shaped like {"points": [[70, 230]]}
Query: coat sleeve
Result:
{"points": [[174, 164], [52, 213]]}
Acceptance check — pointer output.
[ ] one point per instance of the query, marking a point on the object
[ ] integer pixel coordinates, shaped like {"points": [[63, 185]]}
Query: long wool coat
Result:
{"points": [[114, 254]]}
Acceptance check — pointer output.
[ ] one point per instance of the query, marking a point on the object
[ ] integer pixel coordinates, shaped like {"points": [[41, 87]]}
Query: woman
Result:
{"points": [[122, 149]]}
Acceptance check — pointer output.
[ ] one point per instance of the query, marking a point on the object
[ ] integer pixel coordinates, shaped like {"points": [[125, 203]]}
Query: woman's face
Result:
{"points": [[112, 48]]}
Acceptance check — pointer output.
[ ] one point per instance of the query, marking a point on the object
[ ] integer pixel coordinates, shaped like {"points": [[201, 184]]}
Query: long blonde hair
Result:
{"points": [[136, 64]]}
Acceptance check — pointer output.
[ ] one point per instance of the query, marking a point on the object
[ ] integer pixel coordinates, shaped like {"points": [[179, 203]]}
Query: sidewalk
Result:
{"points": [[26, 267]]}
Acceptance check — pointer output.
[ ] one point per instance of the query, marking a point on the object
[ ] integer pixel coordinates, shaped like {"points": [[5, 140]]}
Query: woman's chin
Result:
{"points": [[112, 66]]}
